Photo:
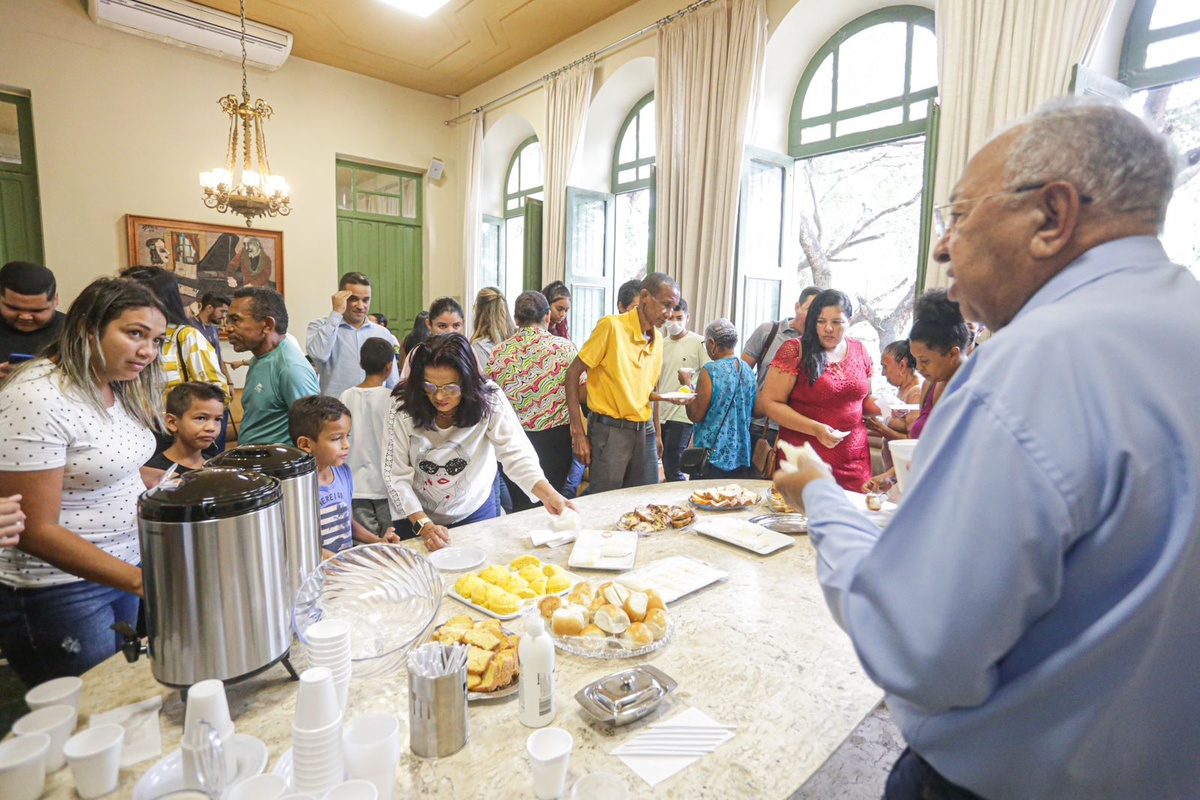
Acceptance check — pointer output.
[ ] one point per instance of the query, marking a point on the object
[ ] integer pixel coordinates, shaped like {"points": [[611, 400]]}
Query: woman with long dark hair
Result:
{"points": [[819, 389], [559, 297], [75, 427], [447, 428]]}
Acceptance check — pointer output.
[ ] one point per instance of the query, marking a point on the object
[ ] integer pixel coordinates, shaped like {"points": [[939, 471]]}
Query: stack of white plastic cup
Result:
{"points": [[372, 750], [206, 703], [329, 647], [317, 762]]}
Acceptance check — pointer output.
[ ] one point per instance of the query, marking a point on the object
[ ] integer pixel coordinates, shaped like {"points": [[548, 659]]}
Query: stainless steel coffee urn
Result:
{"points": [[214, 575], [296, 470]]}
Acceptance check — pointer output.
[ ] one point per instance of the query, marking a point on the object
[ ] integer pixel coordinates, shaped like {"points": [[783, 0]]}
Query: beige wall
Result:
{"points": [[124, 125]]}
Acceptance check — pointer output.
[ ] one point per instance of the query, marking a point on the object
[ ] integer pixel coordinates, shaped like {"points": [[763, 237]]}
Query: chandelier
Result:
{"points": [[257, 191]]}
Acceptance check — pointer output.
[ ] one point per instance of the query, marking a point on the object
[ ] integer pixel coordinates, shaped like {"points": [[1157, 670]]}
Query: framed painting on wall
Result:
{"points": [[207, 258]]}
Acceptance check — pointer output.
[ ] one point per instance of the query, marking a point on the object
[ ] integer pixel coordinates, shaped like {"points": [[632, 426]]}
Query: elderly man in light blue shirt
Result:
{"points": [[335, 342], [1031, 609]]}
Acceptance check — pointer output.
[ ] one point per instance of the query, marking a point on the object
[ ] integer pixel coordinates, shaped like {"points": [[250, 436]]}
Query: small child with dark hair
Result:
{"points": [[320, 425], [368, 404], [194, 412]]}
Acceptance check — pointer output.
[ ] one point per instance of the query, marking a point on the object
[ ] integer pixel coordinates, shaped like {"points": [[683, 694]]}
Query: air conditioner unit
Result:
{"points": [[195, 27]]}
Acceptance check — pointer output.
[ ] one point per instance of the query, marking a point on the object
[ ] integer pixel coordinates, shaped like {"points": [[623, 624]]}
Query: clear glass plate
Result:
{"points": [[610, 646]]}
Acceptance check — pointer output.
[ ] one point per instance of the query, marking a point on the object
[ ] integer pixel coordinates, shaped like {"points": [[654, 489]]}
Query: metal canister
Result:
{"points": [[296, 471], [214, 576], [437, 712]]}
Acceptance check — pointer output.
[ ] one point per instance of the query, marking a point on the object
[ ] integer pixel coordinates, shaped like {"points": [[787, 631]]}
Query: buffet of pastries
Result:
{"points": [[607, 613], [654, 517], [492, 662]]}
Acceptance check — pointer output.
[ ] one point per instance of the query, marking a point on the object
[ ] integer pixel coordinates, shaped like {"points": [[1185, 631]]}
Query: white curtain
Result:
{"points": [[998, 61], [472, 220], [568, 95], [709, 71]]}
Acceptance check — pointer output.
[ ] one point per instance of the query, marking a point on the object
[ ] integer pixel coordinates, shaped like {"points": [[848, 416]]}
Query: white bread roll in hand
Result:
{"points": [[611, 619]]}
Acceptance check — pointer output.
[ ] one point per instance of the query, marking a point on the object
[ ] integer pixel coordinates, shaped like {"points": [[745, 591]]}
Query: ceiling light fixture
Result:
{"points": [[257, 191], [421, 8]]}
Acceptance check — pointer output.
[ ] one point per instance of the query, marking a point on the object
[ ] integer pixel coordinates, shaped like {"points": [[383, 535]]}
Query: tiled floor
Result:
{"points": [[859, 768]]}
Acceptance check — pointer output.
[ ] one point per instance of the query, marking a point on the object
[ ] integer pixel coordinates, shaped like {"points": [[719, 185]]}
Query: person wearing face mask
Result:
{"points": [[683, 355]]}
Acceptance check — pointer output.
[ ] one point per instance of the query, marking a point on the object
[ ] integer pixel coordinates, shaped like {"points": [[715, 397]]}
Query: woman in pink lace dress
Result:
{"points": [[819, 388]]}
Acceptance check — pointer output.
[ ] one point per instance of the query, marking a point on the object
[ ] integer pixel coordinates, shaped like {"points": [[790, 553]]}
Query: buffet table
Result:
{"points": [[758, 650]]}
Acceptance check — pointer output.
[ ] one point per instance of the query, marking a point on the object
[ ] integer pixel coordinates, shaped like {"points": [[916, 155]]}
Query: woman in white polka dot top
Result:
{"points": [[75, 426]]}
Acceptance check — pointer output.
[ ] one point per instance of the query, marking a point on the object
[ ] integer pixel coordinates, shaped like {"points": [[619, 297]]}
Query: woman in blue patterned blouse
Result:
{"points": [[724, 404]]}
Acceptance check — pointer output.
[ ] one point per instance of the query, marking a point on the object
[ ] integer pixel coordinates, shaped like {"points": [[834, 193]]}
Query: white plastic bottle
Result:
{"points": [[535, 698]]}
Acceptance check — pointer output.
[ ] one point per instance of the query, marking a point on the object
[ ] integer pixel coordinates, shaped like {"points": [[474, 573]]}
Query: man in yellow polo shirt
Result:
{"points": [[622, 358]]}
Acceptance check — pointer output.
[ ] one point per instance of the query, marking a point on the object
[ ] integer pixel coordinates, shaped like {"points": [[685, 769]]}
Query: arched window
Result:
{"points": [[632, 179], [858, 133], [1160, 61], [522, 262], [872, 82]]}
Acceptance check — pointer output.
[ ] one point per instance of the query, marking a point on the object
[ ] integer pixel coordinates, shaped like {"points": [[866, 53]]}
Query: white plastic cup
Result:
{"points": [[260, 787], [58, 692], [600, 786], [317, 704], [902, 453], [549, 756], [95, 759], [372, 747], [206, 701], [57, 722], [23, 766], [353, 790], [328, 630]]}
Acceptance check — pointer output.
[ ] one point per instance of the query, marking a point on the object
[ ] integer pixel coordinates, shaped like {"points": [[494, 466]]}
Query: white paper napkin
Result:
{"points": [[544, 538], [656, 769], [143, 739]]}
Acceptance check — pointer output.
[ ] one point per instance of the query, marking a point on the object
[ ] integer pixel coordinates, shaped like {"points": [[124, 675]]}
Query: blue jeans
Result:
{"points": [[914, 778], [574, 478], [676, 438], [54, 631], [490, 509]]}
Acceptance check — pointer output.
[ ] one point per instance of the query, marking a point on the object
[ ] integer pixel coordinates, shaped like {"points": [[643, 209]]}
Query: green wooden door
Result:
{"points": [[20, 213], [379, 233]]}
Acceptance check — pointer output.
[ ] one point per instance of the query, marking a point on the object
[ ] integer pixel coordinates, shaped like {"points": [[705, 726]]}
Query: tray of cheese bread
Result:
{"points": [[500, 590], [608, 621], [493, 669]]}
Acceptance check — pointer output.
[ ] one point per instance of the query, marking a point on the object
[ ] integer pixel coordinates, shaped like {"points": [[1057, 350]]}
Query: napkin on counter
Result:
{"points": [[656, 769], [544, 538], [880, 517], [143, 739]]}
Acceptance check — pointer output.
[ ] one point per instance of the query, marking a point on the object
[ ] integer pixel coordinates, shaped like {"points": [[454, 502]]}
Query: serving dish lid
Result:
{"points": [[627, 695]]}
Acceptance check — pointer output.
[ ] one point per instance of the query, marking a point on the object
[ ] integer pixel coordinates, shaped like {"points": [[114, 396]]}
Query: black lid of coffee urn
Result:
{"points": [[209, 494], [277, 460]]}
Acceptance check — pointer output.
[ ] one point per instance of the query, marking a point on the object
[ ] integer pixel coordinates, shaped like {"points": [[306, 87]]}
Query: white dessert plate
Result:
{"points": [[672, 577], [166, 777], [457, 559], [609, 550], [745, 534], [677, 395]]}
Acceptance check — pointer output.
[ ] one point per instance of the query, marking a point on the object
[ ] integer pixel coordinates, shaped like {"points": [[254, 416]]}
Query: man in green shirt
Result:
{"points": [[278, 376]]}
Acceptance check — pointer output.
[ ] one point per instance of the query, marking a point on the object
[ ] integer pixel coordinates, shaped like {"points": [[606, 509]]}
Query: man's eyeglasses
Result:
{"points": [[944, 217], [449, 389]]}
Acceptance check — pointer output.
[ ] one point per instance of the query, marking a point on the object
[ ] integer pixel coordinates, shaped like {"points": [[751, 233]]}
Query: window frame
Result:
{"points": [[356, 167], [520, 194], [1133, 71], [912, 16], [618, 166]]}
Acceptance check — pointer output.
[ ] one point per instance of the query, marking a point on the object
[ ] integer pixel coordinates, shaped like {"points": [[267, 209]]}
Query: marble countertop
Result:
{"points": [[758, 650]]}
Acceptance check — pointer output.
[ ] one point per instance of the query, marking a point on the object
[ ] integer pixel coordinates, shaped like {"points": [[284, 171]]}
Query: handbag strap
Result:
{"points": [[770, 340]]}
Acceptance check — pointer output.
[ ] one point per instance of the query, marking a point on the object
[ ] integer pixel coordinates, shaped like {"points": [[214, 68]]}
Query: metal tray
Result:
{"points": [[783, 523]]}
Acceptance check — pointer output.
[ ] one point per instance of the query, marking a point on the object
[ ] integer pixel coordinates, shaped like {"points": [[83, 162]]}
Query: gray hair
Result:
{"points": [[723, 333], [1108, 153], [531, 308]]}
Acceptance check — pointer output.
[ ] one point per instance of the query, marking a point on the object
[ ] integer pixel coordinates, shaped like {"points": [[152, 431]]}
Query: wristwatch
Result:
{"points": [[418, 524]]}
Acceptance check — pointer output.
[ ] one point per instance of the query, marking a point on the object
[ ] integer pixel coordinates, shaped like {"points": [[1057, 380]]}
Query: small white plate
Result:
{"points": [[677, 395], [166, 777], [610, 550], [745, 534], [457, 559]]}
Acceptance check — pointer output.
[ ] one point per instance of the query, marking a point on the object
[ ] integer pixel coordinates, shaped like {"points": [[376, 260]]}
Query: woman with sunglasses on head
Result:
{"points": [[447, 428]]}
